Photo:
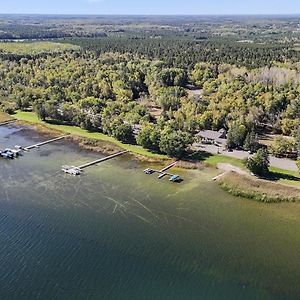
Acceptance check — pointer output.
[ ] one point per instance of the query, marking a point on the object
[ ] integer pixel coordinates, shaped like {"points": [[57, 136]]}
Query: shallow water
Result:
{"points": [[115, 233]]}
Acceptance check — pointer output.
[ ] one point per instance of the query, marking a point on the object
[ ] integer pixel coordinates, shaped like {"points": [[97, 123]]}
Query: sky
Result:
{"points": [[160, 7]]}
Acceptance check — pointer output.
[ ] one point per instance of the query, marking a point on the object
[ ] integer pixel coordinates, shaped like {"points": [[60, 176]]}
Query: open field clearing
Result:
{"points": [[34, 47]]}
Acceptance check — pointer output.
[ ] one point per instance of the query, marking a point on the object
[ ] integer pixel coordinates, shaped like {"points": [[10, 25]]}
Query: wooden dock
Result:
{"points": [[44, 143], [168, 167], [220, 176], [101, 160], [162, 173], [78, 170]]}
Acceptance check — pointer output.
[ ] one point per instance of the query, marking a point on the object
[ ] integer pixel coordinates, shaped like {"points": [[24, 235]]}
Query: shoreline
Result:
{"points": [[30, 118], [85, 143], [260, 190], [5, 118], [238, 184], [95, 142], [107, 147]]}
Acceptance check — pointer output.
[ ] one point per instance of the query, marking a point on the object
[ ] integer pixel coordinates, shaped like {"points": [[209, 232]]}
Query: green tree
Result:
{"points": [[259, 163], [173, 77], [123, 132], [298, 142], [40, 110], [91, 104], [169, 98], [174, 143], [251, 143], [236, 136], [283, 146], [202, 73], [149, 137]]}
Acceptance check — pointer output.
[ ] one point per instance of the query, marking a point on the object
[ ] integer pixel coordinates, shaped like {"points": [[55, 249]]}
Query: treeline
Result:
{"points": [[138, 100], [185, 52], [17, 57], [37, 31]]}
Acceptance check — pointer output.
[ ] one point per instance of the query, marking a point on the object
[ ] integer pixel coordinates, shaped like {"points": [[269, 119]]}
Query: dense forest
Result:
{"points": [[149, 102], [182, 53], [185, 53]]}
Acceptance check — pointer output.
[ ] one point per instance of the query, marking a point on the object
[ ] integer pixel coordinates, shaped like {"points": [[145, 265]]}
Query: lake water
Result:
{"points": [[115, 233]]}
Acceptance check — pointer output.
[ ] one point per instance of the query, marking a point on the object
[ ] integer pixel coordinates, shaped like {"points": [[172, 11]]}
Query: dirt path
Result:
{"points": [[231, 168], [228, 168]]}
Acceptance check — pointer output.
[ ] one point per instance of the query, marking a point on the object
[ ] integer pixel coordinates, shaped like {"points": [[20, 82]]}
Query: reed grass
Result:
{"points": [[258, 189]]}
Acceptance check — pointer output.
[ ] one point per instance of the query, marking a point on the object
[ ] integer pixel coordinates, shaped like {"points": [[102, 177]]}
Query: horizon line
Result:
{"points": [[150, 15]]}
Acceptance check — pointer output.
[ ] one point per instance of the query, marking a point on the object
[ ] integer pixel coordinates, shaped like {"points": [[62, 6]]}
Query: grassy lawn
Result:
{"points": [[34, 47], [286, 177], [32, 118], [278, 175], [215, 159]]}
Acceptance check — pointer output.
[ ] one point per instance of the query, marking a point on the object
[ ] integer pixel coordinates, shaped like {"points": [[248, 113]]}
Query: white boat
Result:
{"points": [[7, 153], [149, 171], [71, 170], [16, 153]]}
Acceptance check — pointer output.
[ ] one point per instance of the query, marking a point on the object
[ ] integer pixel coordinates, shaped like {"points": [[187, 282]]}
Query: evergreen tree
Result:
{"points": [[259, 163]]}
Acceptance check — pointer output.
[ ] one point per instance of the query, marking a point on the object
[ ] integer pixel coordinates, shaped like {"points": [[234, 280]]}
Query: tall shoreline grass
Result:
{"points": [[258, 189]]}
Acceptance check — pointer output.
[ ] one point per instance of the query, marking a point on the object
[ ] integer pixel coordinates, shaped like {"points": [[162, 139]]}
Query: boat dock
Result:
{"points": [[102, 160], [220, 176], [18, 150], [168, 167], [78, 170], [44, 143], [162, 173]]}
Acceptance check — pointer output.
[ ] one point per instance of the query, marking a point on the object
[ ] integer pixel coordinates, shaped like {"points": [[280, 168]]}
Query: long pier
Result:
{"points": [[44, 143], [78, 170], [101, 160]]}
